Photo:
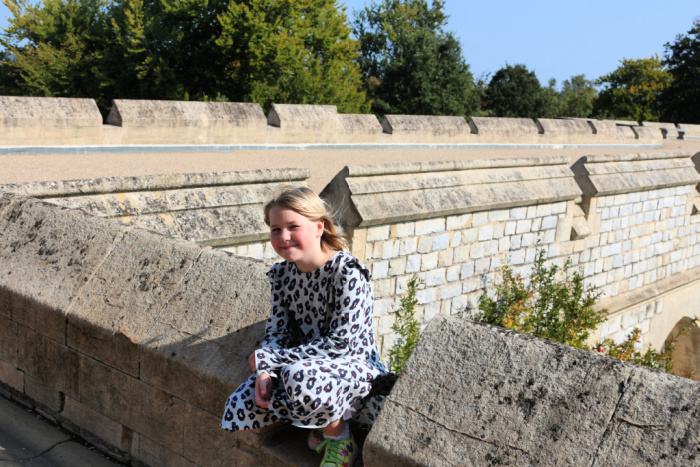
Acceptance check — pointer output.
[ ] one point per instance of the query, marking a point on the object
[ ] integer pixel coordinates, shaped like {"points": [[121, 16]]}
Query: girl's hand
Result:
{"points": [[263, 390], [251, 362]]}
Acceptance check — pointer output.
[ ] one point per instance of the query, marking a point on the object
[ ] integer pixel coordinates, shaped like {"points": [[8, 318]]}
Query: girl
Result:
{"points": [[319, 356]]}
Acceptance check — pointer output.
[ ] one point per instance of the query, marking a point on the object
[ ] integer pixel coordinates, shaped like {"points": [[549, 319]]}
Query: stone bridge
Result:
{"points": [[128, 306]]}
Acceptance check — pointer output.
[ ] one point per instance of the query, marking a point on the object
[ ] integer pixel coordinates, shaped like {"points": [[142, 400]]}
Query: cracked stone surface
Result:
{"points": [[28, 440], [474, 394]]}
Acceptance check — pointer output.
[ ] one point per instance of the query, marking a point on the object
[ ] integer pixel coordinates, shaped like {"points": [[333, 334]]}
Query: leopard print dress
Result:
{"points": [[319, 348]]}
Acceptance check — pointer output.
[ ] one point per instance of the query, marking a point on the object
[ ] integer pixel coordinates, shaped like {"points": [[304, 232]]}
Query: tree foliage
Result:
{"points": [[410, 64], [293, 51], [515, 91], [681, 99], [58, 47], [576, 96], [285, 51], [633, 90]]}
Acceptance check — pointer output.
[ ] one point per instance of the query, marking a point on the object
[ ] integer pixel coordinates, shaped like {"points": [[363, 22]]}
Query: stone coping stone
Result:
{"points": [[424, 124], [624, 132], [690, 129], [43, 189], [282, 115], [474, 394], [139, 113], [623, 122], [600, 175], [184, 306], [485, 126], [658, 125], [565, 129], [49, 112], [359, 123], [604, 128], [383, 194], [215, 209], [647, 134]]}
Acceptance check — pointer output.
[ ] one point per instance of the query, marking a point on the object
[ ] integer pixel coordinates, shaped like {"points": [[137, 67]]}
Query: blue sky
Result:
{"points": [[556, 38]]}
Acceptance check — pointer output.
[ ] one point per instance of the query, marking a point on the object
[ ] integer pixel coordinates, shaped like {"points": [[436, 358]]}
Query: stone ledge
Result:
{"points": [[215, 209], [383, 194], [649, 291], [474, 394], [610, 174]]}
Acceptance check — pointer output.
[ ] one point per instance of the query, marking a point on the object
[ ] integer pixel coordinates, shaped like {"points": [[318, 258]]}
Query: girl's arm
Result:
{"points": [[350, 323]]}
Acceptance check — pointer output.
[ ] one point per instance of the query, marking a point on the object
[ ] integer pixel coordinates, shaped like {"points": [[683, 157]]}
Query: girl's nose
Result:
{"points": [[284, 235]]}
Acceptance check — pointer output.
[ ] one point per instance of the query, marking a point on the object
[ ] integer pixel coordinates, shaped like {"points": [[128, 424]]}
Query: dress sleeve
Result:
{"points": [[277, 329], [351, 302]]}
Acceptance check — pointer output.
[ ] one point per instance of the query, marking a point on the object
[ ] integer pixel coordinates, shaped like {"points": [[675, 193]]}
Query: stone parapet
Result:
{"points": [[647, 134], [358, 128], [220, 209], [565, 131], [185, 122], [473, 394], [302, 123], [426, 129], [692, 131], [143, 336], [612, 174], [378, 194], [49, 121], [499, 130]]}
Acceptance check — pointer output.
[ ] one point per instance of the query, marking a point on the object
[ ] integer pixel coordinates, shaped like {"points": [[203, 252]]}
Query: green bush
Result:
{"points": [[406, 326], [562, 310]]}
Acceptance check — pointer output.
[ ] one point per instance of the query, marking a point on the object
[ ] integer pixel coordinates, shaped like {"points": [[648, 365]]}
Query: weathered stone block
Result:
{"points": [[151, 453], [543, 405], [92, 424], [206, 443], [46, 396], [11, 376], [9, 345], [157, 415], [117, 351], [105, 389], [48, 361]]}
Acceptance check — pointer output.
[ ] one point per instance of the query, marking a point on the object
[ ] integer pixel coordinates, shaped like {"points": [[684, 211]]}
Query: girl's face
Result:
{"points": [[297, 239]]}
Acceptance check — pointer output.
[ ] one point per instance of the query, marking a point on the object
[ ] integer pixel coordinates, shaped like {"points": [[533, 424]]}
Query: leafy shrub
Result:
{"points": [[406, 326], [563, 310]]}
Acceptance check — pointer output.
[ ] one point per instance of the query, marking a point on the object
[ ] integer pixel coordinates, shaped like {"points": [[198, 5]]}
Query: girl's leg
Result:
{"points": [[334, 429]]}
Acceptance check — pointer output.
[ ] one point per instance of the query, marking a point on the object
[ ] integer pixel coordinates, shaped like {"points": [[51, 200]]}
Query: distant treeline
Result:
{"points": [[393, 57]]}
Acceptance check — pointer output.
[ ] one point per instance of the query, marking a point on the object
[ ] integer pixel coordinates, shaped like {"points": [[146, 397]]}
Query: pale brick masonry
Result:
{"points": [[619, 241]]}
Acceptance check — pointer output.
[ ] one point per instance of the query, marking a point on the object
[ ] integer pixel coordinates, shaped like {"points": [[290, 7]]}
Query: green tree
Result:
{"points": [[291, 51], [515, 91], [633, 90], [285, 51], [57, 47], [577, 95], [681, 99], [410, 64]]}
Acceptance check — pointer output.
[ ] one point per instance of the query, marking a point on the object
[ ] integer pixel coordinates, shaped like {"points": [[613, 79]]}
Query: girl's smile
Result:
{"points": [[297, 239]]}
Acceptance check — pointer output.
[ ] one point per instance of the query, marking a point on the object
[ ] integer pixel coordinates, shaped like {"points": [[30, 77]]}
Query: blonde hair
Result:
{"points": [[307, 203]]}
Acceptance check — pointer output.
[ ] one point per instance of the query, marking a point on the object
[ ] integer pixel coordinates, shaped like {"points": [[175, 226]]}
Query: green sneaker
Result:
{"points": [[341, 453], [315, 438]]}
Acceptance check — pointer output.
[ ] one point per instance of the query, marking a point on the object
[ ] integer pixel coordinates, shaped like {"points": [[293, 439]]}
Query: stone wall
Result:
{"points": [[169, 122], [223, 209], [130, 338], [52, 120], [31, 121], [626, 222], [473, 394], [134, 339]]}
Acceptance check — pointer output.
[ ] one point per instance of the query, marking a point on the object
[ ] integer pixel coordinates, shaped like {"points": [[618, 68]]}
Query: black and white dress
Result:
{"points": [[319, 347]]}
